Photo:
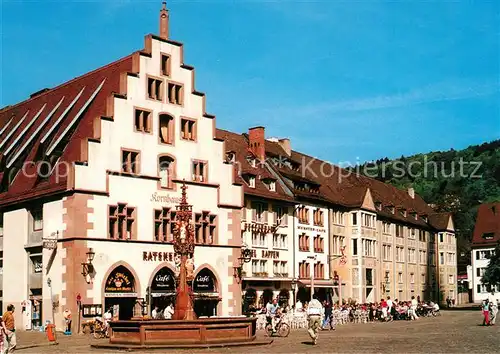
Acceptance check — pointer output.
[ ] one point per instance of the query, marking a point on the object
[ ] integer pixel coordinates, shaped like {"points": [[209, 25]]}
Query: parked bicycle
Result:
{"points": [[282, 328], [100, 329]]}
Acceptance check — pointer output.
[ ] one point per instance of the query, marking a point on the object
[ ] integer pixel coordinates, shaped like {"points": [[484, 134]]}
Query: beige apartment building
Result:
{"points": [[375, 239]]}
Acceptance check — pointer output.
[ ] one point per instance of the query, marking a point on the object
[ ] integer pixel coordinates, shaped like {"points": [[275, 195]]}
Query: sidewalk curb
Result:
{"points": [[36, 346]]}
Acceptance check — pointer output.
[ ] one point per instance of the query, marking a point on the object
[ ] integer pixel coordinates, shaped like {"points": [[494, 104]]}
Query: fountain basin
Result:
{"points": [[205, 332]]}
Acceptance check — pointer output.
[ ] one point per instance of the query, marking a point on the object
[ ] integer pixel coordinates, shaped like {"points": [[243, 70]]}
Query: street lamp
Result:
{"points": [[386, 283], [87, 267], [294, 287], [245, 257]]}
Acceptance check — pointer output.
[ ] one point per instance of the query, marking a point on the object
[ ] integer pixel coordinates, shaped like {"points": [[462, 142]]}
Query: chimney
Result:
{"points": [[411, 192], [164, 21], [256, 142], [285, 145]]}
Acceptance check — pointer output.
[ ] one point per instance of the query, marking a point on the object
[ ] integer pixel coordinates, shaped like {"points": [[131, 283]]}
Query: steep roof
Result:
{"points": [[440, 221], [52, 125], [487, 228]]}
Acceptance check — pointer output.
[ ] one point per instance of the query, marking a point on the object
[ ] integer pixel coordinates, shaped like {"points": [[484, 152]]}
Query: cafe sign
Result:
{"points": [[310, 228], [120, 281], [164, 281], [204, 281]]}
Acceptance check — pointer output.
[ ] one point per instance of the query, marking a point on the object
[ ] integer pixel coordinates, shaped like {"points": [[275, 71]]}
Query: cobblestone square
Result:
{"points": [[453, 332]]}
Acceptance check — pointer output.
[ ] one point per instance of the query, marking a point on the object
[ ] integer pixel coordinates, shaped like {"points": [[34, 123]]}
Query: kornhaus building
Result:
{"points": [[485, 238], [90, 173]]}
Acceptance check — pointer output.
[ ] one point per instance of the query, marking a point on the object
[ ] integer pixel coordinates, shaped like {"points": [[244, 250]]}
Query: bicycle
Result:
{"points": [[282, 328], [100, 330]]}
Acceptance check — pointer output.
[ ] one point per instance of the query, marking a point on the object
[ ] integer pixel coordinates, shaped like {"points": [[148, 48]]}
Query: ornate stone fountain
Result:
{"points": [[184, 330]]}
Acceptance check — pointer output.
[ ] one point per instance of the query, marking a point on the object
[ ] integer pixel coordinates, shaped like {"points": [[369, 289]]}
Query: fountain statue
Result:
{"points": [[184, 329], [184, 246]]}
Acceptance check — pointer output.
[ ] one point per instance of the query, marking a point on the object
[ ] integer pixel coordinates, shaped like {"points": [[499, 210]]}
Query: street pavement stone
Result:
{"points": [[453, 332]]}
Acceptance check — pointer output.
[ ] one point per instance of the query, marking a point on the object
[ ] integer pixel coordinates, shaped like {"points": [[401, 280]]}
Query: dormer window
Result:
{"points": [[403, 212], [252, 161], [378, 205], [250, 180], [415, 215], [392, 209], [424, 217], [488, 236], [230, 157]]}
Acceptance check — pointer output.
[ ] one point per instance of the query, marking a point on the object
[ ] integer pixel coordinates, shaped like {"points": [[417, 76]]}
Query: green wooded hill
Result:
{"points": [[453, 181]]}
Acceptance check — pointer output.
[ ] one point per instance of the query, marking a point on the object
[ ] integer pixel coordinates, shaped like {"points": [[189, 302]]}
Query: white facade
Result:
{"points": [[480, 261], [314, 233]]}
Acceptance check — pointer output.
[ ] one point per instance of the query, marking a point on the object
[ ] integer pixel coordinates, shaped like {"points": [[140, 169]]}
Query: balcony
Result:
{"points": [[261, 274], [36, 281], [281, 275]]}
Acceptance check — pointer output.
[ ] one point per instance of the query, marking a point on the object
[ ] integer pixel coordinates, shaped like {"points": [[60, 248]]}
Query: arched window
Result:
{"points": [[166, 171], [166, 128]]}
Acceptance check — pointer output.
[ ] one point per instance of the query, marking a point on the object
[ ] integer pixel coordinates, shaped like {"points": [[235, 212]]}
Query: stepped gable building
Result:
{"points": [[486, 237], [379, 240], [91, 170]]}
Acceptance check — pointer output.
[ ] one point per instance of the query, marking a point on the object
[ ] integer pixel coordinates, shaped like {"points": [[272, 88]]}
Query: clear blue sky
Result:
{"points": [[345, 80]]}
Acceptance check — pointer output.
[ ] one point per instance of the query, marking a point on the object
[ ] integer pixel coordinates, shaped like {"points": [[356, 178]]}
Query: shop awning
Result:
{"points": [[213, 296], [266, 279], [317, 283], [163, 293]]}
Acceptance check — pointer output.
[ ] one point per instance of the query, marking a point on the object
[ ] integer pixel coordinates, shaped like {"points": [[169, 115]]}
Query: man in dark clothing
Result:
{"points": [[328, 315]]}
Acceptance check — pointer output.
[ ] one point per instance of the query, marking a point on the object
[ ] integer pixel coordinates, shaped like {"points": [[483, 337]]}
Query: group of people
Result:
{"points": [[166, 314], [490, 310], [8, 331], [321, 315]]}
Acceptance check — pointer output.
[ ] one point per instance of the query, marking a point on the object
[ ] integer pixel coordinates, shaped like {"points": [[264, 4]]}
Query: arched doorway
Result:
{"points": [[162, 288], [206, 295], [283, 298], [267, 295], [304, 295], [249, 300], [120, 292]]}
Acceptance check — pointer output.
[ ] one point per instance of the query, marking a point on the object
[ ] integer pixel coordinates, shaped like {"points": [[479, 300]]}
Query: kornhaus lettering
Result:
{"points": [[155, 197]]}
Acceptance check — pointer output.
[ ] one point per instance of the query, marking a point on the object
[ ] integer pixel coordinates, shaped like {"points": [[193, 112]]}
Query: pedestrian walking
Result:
{"points": [[493, 312], [486, 312], [3, 336], [10, 325], [314, 314], [414, 305]]}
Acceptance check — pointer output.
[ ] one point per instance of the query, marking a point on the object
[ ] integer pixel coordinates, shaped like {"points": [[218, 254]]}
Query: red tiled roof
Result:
{"points": [[487, 222], [238, 143], [339, 186], [56, 120], [440, 221]]}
